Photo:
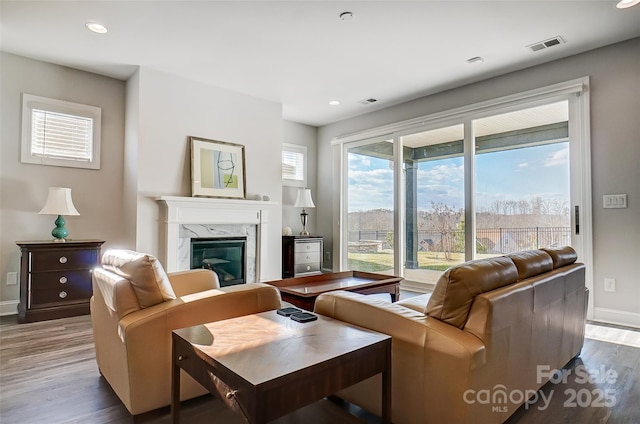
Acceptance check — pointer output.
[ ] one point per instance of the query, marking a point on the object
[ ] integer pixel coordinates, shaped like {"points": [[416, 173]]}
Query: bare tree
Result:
{"points": [[445, 220]]}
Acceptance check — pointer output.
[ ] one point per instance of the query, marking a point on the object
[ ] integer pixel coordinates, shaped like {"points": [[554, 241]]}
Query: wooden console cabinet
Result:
{"points": [[301, 255], [55, 278]]}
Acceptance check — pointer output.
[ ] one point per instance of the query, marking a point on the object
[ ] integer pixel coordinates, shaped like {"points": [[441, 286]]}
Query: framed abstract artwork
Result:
{"points": [[217, 169]]}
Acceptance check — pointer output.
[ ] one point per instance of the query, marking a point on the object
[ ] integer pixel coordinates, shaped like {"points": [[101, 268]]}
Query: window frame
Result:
{"points": [[296, 148], [31, 102]]}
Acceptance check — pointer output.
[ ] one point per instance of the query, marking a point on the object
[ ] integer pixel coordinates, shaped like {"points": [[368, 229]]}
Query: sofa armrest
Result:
{"points": [[401, 323], [192, 281], [432, 361], [145, 337], [204, 306]]}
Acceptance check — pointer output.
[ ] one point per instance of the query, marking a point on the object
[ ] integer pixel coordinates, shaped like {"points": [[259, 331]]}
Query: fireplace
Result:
{"points": [[187, 218], [226, 256]]}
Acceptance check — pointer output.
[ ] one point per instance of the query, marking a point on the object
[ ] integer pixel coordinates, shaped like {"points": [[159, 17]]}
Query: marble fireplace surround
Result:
{"points": [[198, 217]]}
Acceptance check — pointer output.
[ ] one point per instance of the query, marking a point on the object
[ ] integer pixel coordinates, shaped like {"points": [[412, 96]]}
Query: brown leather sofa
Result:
{"points": [[134, 308], [481, 344]]}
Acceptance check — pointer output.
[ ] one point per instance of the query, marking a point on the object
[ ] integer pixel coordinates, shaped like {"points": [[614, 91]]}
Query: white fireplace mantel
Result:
{"points": [[209, 211]]}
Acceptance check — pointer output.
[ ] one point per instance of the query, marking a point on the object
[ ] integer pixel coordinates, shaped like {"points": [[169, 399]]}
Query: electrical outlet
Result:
{"points": [[12, 278], [327, 256], [609, 284]]}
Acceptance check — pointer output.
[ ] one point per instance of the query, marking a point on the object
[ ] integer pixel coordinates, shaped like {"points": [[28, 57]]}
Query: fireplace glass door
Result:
{"points": [[224, 256]]}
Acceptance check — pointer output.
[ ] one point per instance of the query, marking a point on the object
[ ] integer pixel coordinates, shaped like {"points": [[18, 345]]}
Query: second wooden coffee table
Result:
{"points": [[267, 365], [303, 291]]}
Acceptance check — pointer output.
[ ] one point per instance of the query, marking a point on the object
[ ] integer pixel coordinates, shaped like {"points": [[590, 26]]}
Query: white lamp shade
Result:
{"points": [[59, 202], [623, 4], [303, 199]]}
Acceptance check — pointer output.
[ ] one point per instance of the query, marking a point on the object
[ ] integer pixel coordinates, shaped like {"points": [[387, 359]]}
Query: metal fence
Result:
{"points": [[488, 240]]}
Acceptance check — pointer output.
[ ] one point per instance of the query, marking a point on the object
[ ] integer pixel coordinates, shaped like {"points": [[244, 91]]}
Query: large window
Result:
{"points": [[59, 133], [488, 179]]}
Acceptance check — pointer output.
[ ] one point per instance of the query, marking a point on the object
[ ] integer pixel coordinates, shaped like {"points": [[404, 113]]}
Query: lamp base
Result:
{"points": [[60, 233], [303, 219]]}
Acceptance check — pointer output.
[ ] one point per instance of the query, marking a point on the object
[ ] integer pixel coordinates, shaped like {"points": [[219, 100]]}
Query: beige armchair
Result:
{"points": [[134, 308]]}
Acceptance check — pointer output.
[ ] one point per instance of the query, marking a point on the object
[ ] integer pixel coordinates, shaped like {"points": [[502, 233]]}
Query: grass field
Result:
{"points": [[375, 262]]}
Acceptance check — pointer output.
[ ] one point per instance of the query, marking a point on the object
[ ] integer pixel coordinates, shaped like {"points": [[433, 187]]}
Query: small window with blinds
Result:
{"points": [[60, 133], [294, 165]]}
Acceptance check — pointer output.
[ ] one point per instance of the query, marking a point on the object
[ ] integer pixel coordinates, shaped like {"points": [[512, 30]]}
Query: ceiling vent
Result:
{"points": [[367, 101], [541, 45]]}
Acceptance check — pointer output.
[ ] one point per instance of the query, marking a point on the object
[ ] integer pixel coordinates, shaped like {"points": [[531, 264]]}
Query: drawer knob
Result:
{"points": [[63, 280], [63, 259], [308, 267], [62, 294]]}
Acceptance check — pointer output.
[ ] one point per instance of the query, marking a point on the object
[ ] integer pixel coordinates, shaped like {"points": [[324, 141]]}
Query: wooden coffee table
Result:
{"points": [[266, 365], [303, 291]]}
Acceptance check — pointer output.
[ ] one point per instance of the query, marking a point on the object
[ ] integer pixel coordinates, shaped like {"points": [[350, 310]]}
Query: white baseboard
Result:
{"points": [[613, 316], [9, 307]]}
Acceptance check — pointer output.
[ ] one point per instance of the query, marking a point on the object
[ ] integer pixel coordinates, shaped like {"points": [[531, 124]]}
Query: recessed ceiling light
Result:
{"points": [[476, 59], [346, 16], [623, 4], [96, 27], [334, 102]]}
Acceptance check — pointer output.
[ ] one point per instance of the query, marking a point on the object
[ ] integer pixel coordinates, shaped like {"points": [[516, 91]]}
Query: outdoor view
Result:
{"points": [[521, 193]]}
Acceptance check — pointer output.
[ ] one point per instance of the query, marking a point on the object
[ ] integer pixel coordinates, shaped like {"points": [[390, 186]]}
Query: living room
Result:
{"points": [[147, 119]]}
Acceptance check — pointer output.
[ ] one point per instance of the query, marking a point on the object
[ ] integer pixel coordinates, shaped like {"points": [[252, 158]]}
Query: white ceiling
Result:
{"points": [[300, 54]]}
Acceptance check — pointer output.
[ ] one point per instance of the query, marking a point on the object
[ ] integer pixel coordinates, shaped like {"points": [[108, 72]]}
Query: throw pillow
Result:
{"points": [[148, 279]]}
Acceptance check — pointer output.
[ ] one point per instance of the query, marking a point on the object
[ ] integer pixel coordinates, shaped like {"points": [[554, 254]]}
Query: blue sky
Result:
{"points": [[516, 174]]}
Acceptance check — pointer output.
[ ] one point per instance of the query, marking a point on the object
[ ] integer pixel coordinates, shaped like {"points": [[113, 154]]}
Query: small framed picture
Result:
{"points": [[217, 169]]}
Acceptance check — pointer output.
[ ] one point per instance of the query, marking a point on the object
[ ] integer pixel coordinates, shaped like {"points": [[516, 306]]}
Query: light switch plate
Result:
{"points": [[614, 201]]}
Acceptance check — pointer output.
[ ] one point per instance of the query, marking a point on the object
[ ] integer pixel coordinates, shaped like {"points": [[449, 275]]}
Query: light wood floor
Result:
{"points": [[48, 374]]}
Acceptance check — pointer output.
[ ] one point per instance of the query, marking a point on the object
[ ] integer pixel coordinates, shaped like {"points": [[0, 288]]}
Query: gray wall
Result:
{"points": [[97, 194], [303, 135], [169, 109], [145, 153], [615, 144]]}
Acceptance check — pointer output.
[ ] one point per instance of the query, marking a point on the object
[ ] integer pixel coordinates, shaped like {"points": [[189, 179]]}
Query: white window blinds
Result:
{"points": [[58, 135], [294, 165]]}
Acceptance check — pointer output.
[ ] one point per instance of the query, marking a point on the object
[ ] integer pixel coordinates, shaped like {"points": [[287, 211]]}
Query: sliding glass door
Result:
{"points": [[522, 180], [370, 206], [434, 202], [483, 181]]}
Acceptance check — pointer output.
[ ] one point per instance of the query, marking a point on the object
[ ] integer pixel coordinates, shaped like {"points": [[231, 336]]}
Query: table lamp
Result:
{"points": [[59, 203], [303, 200]]}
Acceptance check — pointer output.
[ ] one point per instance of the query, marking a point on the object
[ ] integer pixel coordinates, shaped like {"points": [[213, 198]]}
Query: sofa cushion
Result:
{"points": [[561, 255], [460, 284], [148, 279], [531, 263]]}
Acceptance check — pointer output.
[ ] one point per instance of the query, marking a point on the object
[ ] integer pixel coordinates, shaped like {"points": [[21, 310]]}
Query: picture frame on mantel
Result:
{"points": [[217, 169]]}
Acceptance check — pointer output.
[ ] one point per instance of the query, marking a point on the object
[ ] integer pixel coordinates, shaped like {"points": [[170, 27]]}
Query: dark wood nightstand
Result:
{"points": [[55, 278], [301, 255]]}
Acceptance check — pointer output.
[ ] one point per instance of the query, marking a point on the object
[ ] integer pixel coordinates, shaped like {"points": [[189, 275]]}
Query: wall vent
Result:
{"points": [[367, 101], [541, 45]]}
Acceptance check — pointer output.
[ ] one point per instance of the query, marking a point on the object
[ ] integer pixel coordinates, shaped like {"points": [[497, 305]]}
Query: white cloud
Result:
{"points": [[445, 174], [558, 158], [358, 161]]}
